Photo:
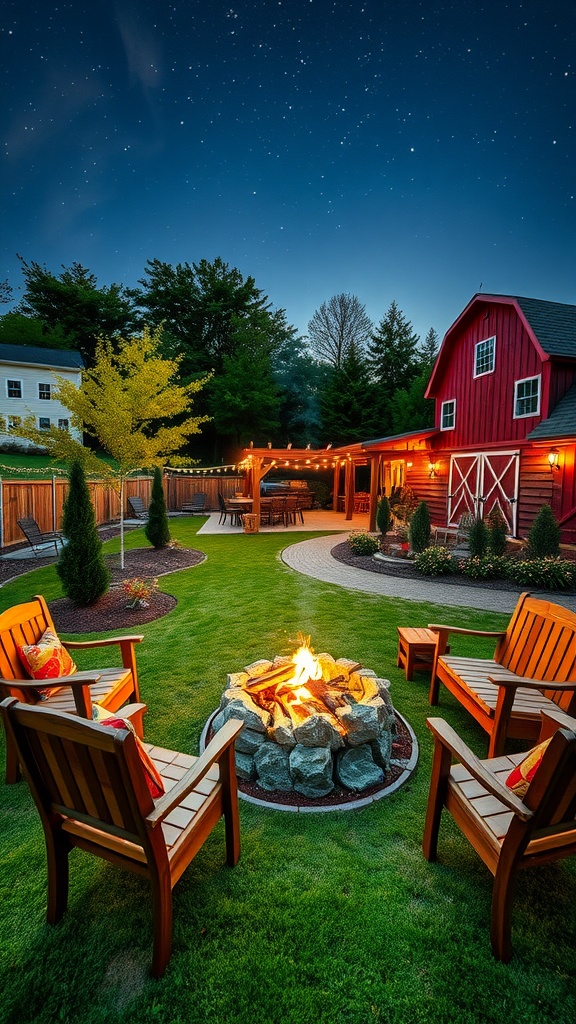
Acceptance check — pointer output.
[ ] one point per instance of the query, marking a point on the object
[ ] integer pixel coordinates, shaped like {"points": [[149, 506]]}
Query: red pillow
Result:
{"points": [[151, 773], [521, 776], [47, 659]]}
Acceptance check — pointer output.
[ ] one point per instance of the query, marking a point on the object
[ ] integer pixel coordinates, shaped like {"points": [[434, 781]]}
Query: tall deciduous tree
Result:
{"points": [[133, 404], [73, 302], [336, 326], [393, 362]]}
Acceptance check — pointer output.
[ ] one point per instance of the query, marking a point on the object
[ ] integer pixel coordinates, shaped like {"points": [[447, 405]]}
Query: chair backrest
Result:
{"points": [[31, 530], [540, 643], [552, 797], [221, 502], [83, 773], [198, 500], [19, 625]]}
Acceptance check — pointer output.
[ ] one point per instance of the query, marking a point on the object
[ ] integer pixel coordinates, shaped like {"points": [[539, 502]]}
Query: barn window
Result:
{"points": [[14, 388], [527, 397], [44, 391], [44, 423], [484, 357], [448, 415]]}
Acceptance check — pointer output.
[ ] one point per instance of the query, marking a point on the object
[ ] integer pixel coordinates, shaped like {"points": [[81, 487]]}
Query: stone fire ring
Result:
{"points": [[407, 769]]}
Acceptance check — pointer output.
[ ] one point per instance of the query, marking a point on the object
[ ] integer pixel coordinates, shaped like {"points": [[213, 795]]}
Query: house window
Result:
{"points": [[527, 397], [44, 422], [448, 415], [484, 357], [44, 391], [14, 388], [62, 424], [14, 422]]}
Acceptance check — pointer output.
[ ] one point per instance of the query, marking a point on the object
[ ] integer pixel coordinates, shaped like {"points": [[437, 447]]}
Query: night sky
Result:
{"points": [[391, 149]]}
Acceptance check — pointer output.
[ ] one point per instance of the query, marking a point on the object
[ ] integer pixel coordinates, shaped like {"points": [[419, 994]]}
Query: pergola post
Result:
{"points": [[375, 461], [349, 474], [336, 487]]}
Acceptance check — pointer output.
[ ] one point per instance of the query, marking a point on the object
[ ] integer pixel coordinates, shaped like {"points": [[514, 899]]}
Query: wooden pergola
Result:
{"points": [[257, 462]]}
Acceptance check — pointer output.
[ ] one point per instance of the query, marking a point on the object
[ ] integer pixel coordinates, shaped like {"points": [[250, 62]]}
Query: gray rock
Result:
{"points": [[361, 722], [356, 769], [236, 679], [311, 771], [258, 668], [243, 707], [381, 749], [249, 741], [318, 731], [245, 768], [281, 729], [271, 763]]}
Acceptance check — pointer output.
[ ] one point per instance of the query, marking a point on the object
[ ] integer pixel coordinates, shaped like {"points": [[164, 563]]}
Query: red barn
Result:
{"points": [[504, 383]]}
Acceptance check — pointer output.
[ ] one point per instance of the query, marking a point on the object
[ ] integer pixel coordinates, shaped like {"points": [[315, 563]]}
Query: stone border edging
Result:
{"points": [[350, 805]]}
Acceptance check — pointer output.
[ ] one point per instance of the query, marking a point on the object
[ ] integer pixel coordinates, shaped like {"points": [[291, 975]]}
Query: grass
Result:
{"points": [[328, 919]]}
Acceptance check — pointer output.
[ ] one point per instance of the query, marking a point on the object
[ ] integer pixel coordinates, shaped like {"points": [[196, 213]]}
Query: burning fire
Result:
{"points": [[306, 666]]}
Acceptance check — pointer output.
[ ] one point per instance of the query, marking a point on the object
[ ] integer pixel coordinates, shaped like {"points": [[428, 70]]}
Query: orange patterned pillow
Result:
{"points": [[521, 776], [47, 659], [151, 773]]}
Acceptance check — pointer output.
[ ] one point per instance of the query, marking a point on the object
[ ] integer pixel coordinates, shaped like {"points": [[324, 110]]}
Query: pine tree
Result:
{"points": [[157, 530], [383, 515], [544, 536], [419, 530], [81, 565], [392, 360]]}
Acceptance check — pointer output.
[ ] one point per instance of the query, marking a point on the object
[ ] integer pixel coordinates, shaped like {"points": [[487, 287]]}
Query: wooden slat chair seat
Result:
{"points": [[508, 833], [38, 541], [110, 687], [534, 666], [89, 787]]}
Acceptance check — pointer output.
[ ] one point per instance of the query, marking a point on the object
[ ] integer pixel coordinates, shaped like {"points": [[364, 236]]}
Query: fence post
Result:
{"points": [[53, 502], [1, 512]]}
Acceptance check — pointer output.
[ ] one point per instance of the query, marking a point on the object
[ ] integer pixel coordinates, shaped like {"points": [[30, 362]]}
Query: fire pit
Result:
{"points": [[314, 727]]}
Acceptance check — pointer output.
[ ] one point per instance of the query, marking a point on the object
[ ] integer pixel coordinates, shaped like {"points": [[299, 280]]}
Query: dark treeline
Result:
{"points": [[348, 380]]}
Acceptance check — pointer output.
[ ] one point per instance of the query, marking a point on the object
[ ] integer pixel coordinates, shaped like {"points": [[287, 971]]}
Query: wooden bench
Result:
{"points": [[533, 669], [110, 687]]}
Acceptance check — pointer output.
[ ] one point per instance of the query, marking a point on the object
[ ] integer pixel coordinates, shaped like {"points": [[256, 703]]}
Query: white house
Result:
{"points": [[27, 386]]}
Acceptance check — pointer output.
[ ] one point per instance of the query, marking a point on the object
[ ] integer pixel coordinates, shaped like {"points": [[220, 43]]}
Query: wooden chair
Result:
{"points": [[138, 508], [89, 787], [508, 833], [37, 540], [110, 687]]}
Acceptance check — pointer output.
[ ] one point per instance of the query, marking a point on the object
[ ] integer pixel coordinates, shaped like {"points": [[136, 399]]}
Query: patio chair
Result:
{"points": [[196, 506], [37, 540], [89, 786], [138, 508], [508, 832]]}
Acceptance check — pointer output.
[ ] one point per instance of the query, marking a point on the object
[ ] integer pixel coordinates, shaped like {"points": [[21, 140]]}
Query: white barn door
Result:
{"points": [[481, 481]]}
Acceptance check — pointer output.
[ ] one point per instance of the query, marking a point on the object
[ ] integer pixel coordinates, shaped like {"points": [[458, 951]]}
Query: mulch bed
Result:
{"points": [[110, 611]]}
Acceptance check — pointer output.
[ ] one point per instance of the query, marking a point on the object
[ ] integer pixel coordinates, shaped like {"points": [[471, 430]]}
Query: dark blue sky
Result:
{"points": [[394, 150]]}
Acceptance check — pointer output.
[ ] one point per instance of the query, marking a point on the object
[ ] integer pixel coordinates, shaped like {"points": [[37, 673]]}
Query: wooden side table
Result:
{"points": [[416, 648]]}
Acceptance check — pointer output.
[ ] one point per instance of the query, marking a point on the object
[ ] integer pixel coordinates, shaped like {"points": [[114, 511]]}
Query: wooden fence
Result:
{"points": [[44, 499]]}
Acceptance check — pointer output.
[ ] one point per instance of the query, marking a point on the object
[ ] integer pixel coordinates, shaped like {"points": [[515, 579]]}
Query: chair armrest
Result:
{"points": [[106, 642], [224, 738], [79, 679], [531, 684], [552, 720], [467, 632], [450, 739]]}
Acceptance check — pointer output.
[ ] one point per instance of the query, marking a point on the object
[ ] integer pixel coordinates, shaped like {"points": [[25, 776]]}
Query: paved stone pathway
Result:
{"points": [[313, 558]]}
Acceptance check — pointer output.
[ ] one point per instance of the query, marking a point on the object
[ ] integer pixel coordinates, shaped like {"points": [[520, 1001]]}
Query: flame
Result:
{"points": [[306, 666]]}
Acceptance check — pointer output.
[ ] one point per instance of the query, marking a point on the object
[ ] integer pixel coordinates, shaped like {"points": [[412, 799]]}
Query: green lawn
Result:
{"points": [[328, 918]]}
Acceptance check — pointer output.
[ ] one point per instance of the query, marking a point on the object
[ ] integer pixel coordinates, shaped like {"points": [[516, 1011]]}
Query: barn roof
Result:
{"points": [[35, 355], [561, 422]]}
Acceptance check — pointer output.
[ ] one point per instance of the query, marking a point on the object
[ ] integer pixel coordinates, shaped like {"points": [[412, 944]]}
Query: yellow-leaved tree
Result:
{"points": [[132, 402]]}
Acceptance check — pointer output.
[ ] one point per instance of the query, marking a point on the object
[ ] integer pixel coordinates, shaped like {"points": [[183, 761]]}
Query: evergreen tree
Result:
{"points": [[419, 529], [81, 565], [345, 404], [478, 538], [157, 530], [383, 515], [544, 535], [392, 361], [497, 531]]}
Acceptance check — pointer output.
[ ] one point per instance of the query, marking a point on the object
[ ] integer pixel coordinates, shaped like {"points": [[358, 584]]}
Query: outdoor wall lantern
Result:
{"points": [[433, 468], [553, 457]]}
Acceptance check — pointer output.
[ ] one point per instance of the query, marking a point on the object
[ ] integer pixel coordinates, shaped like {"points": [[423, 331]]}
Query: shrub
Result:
{"points": [[419, 530], [488, 567], [435, 561], [545, 573], [81, 566], [497, 531], [478, 538], [544, 536], [156, 529], [383, 515], [362, 543]]}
